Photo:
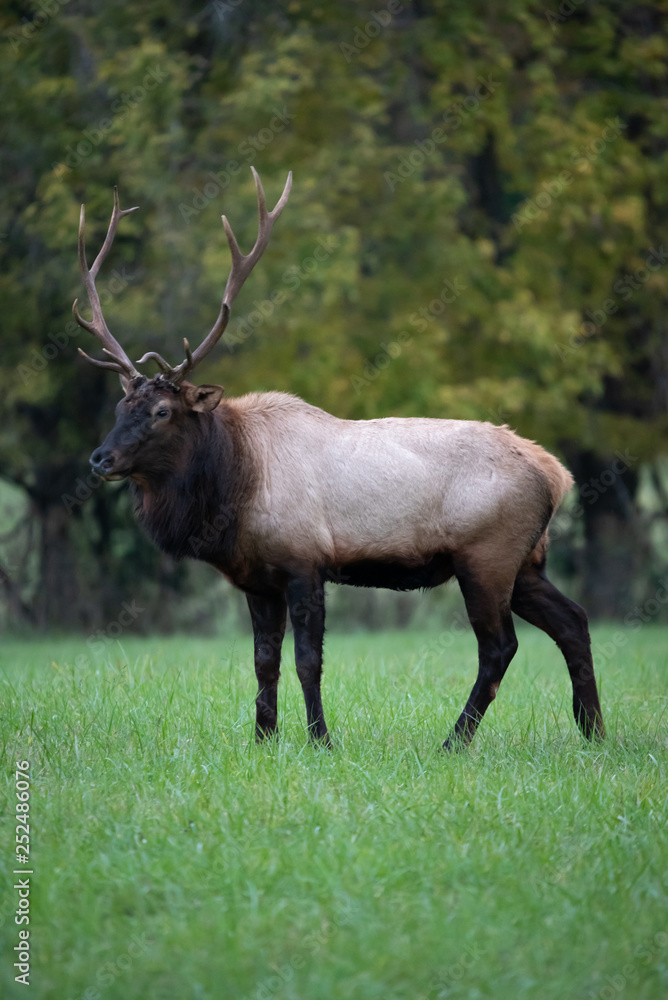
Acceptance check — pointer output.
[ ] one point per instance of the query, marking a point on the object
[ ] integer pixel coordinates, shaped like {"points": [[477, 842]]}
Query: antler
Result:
{"points": [[120, 362], [242, 265]]}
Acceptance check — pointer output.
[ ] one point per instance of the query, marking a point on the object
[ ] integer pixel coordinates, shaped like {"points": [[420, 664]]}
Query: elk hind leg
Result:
{"points": [[539, 602]]}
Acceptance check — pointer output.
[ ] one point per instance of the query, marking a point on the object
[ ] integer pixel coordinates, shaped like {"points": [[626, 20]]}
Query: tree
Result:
{"points": [[474, 231]]}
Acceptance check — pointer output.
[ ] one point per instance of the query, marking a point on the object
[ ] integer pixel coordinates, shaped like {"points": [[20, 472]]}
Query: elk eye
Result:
{"points": [[162, 413]]}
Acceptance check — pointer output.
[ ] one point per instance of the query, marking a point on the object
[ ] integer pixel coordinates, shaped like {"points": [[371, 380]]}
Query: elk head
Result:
{"points": [[157, 411]]}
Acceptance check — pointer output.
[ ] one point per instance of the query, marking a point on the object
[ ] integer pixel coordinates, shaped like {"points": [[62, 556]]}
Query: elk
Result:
{"points": [[280, 497]]}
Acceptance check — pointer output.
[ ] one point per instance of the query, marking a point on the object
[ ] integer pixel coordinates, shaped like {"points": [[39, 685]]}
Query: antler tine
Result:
{"points": [[114, 366], [116, 215], [163, 365], [120, 361], [242, 265]]}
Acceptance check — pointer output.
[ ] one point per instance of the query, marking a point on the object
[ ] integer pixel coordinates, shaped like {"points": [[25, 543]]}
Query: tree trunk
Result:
{"points": [[57, 597], [613, 549], [19, 614]]}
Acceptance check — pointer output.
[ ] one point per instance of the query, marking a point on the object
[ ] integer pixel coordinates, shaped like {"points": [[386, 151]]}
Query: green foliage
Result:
{"points": [[474, 231], [175, 858], [115, 96]]}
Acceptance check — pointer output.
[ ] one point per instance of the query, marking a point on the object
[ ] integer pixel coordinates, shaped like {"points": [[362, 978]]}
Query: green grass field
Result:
{"points": [[173, 858]]}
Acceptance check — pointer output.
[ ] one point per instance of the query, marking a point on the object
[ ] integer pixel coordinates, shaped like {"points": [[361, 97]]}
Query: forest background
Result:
{"points": [[478, 229]]}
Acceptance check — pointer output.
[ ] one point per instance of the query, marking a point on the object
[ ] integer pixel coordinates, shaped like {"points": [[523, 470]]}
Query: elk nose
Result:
{"points": [[101, 460]]}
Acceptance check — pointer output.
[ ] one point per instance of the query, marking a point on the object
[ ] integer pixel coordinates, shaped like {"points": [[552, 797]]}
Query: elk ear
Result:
{"points": [[125, 383], [203, 397]]}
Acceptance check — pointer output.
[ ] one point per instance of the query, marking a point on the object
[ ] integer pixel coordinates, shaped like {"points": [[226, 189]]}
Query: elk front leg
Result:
{"points": [[306, 603], [487, 605], [268, 615]]}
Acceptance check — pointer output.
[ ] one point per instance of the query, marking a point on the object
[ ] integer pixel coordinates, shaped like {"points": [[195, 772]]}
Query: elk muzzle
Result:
{"points": [[104, 462]]}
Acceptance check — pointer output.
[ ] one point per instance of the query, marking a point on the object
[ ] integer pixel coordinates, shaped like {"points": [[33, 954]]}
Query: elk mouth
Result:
{"points": [[106, 466], [114, 477]]}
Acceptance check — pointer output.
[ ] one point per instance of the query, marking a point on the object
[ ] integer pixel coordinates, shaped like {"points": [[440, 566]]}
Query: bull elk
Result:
{"points": [[281, 496]]}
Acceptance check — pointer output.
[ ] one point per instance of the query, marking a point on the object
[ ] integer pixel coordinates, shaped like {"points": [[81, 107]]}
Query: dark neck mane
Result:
{"points": [[191, 506]]}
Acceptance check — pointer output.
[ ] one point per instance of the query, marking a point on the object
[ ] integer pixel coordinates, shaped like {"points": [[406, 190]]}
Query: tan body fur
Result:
{"points": [[331, 491]]}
